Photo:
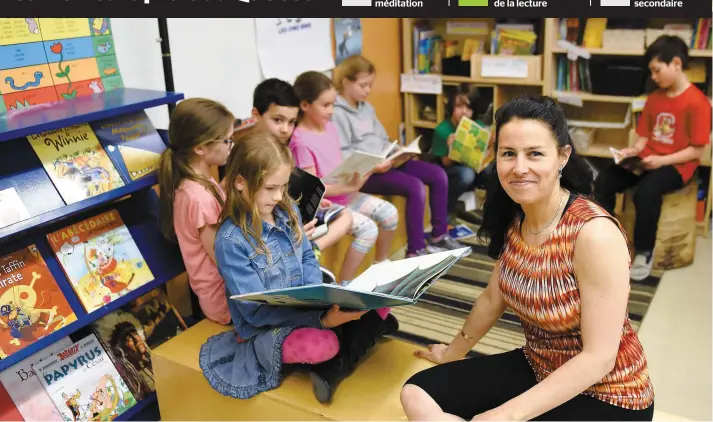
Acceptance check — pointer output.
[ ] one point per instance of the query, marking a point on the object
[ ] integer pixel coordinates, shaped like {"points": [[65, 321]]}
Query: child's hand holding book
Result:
{"points": [[335, 317]]}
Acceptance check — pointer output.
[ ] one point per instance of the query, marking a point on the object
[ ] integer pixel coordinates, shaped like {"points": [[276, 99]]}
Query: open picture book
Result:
{"points": [[388, 284], [633, 164], [364, 162]]}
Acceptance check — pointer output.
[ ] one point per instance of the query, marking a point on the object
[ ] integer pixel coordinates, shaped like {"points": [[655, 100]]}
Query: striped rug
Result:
{"points": [[440, 313]]}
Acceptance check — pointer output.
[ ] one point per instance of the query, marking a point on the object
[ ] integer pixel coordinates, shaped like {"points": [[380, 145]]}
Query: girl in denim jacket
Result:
{"points": [[260, 246]]}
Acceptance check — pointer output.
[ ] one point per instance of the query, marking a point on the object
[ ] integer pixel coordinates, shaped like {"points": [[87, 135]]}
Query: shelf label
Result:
{"points": [[421, 84], [503, 67], [638, 104], [568, 98]]}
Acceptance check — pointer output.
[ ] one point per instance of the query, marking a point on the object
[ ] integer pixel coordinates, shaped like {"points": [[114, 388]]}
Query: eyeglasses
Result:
{"points": [[228, 142]]}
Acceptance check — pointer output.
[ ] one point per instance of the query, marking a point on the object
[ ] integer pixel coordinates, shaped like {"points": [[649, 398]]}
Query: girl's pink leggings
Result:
{"points": [[312, 345]]}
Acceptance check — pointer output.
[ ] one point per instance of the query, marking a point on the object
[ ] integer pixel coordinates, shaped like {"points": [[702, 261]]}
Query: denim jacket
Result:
{"points": [[244, 366]]}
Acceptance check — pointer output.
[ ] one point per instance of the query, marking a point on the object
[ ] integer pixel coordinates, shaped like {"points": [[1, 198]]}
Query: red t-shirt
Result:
{"points": [[674, 123]]}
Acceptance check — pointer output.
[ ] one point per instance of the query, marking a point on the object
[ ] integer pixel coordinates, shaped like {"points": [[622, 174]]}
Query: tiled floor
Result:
{"points": [[676, 334]]}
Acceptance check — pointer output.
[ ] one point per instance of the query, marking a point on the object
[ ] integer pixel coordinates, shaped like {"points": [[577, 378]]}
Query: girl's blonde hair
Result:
{"points": [[254, 158], [194, 122], [350, 69]]}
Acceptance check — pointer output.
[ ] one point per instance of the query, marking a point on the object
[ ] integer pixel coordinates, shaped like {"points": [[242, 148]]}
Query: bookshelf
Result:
{"points": [[609, 117], [136, 202]]}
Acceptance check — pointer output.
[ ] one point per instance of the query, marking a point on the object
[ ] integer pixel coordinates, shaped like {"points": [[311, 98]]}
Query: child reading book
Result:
{"points": [[461, 178], [261, 246], [674, 129], [275, 110], [360, 129], [316, 148], [200, 133]]}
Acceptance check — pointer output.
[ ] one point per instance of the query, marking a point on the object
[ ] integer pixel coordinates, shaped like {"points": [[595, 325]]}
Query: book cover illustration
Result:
{"points": [[129, 334], [25, 188], [470, 145], [76, 162], [8, 410], [12, 209], [100, 258], [31, 303], [26, 389], [308, 190], [83, 383], [389, 284], [132, 142]]}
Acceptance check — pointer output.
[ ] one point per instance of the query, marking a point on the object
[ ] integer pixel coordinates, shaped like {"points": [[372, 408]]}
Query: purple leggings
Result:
{"points": [[409, 180]]}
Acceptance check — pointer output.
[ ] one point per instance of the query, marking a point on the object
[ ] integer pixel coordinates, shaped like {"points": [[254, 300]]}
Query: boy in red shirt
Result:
{"points": [[674, 129]]}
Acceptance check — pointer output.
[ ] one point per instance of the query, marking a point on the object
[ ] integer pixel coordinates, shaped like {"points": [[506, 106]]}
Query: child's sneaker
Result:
{"points": [[641, 268], [420, 252], [447, 243]]}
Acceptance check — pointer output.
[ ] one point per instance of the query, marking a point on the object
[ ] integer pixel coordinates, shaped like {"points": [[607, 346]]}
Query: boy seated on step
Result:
{"points": [[674, 129], [275, 110], [461, 178]]}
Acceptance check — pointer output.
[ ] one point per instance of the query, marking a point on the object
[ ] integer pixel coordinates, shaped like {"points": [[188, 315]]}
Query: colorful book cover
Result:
{"points": [[31, 304], [25, 388], [25, 188], [100, 258], [76, 162], [470, 146], [83, 383], [132, 142], [129, 334]]}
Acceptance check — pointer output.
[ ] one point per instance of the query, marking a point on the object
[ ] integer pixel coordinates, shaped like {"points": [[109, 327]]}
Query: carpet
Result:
{"points": [[440, 313]]}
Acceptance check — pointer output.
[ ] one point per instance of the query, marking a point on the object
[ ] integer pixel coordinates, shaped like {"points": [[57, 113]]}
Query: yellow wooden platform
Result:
{"points": [[370, 393]]}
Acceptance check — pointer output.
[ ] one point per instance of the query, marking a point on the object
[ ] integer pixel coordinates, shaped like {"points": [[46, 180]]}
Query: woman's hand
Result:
{"points": [[309, 228], [335, 317], [436, 353]]}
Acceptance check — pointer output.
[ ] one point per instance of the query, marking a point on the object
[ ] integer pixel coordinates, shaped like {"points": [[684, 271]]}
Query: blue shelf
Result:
{"points": [[137, 408], [67, 211], [40, 118], [163, 258]]}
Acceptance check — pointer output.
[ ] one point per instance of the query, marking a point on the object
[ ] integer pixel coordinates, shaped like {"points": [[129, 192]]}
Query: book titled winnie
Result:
{"points": [[76, 162], [100, 258]]}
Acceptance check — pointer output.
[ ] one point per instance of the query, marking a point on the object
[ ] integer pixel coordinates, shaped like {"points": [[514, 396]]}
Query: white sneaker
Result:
{"points": [[641, 269]]}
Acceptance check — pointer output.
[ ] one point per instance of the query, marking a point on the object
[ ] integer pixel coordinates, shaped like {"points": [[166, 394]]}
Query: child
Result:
{"points": [[461, 178], [259, 247], [360, 129], [275, 109], [674, 129], [200, 134], [316, 148]]}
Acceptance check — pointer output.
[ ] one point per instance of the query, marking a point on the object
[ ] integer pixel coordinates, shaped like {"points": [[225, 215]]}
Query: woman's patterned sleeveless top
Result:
{"points": [[539, 284]]}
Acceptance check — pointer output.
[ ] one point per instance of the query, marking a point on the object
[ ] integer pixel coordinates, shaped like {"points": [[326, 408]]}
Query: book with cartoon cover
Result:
{"points": [[83, 383], [128, 335], [32, 305], [26, 389], [470, 146], [100, 258], [76, 162], [132, 142]]}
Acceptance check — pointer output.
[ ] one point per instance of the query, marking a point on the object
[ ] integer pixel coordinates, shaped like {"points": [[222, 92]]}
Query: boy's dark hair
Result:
{"points": [[665, 48], [274, 91], [479, 104]]}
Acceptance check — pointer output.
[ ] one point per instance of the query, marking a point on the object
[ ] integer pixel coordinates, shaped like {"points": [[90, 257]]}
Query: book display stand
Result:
{"points": [[135, 201]]}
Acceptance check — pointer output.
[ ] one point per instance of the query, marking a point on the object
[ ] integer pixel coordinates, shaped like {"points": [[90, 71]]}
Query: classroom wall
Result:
{"points": [[217, 59]]}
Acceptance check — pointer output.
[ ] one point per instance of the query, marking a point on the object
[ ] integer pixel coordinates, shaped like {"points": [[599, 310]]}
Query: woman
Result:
{"points": [[563, 268]]}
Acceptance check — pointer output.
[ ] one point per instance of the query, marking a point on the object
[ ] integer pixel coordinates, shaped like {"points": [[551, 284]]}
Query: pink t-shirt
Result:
{"points": [[321, 150], [195, 207]]}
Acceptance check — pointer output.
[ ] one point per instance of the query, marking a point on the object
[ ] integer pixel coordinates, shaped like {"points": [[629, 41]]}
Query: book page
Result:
{"points": [[359, 162], [382, 275]]}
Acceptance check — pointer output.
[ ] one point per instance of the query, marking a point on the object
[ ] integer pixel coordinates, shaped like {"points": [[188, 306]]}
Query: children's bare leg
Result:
{"points": [[383, 244], [365, 232], [350, 265], [337, 229]]}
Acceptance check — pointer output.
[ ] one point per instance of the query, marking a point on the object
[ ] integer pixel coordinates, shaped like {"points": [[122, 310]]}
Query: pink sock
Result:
{"points": [[383, 312]]}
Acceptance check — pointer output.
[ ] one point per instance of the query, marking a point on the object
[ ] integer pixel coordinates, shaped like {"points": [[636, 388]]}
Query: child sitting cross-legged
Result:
{"points": [[261, 246]]}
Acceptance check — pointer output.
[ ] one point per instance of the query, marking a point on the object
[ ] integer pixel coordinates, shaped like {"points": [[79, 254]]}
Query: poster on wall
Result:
{"points": [[43, 60], [289, 46], [348, 37]]}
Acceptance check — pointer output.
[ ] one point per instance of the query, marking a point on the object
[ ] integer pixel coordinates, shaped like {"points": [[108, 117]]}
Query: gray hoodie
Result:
{"points": [[359, 128]]}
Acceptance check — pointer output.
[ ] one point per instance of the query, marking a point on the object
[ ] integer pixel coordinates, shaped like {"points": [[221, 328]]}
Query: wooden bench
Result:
{"points": [[676, 234], [370, 393]]}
